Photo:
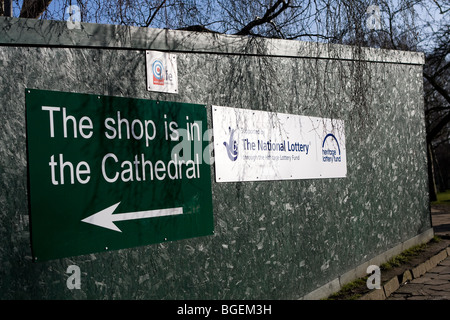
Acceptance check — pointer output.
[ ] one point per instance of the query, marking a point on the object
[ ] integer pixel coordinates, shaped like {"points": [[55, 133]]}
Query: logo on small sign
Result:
{"points": [[331, 152], [158, 73], [232, 146]]}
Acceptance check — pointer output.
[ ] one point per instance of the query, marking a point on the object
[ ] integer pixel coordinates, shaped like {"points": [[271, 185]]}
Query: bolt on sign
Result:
{"points": [[109, 173]]}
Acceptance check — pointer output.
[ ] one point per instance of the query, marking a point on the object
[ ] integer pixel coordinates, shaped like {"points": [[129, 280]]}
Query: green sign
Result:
{"points": [[109, 173]]}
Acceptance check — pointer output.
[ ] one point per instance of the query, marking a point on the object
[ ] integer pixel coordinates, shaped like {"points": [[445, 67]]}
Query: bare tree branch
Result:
{"points": [[433, 132], [150, 19], [270, 14], [436, 109], [442, 11], [436, 86], [312, 35]]}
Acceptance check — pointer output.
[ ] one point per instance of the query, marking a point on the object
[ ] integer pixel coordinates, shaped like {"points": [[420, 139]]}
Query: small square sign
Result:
{"points": [[162, 74]]}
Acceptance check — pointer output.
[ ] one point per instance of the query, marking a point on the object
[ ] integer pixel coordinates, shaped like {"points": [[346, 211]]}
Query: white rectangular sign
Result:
{"points": [[162, 73], [252, 145]]}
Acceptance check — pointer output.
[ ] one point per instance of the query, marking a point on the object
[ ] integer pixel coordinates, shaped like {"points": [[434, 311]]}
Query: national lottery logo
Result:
{"points": [[331, 152], [158, 73], [232, 146]]}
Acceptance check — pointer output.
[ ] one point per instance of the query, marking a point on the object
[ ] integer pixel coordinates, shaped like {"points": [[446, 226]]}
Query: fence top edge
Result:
{"points": [[34, 32]]}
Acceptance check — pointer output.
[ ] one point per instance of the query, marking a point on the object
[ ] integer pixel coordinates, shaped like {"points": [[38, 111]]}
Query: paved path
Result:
{"points": [[440, 217], [433, 285]]}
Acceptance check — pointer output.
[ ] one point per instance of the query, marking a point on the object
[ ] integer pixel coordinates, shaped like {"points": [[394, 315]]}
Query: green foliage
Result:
{"points": [[405, 256], [443, 198]]}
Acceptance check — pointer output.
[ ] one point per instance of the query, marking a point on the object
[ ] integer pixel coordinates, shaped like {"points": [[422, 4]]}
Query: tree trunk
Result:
{"points": [[6, 8], [33, 8], [431, 181]]}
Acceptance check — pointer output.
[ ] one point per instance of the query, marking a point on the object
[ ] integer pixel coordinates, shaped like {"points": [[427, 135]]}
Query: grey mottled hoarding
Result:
{"points": [[272, 239]]}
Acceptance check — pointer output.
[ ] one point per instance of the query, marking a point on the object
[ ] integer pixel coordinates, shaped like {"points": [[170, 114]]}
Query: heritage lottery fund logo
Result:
{"points": [[331, 152]]}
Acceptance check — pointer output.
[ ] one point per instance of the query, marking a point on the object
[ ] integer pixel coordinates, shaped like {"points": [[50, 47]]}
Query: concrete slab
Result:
{"points": [[391, 286], [376, 294]]}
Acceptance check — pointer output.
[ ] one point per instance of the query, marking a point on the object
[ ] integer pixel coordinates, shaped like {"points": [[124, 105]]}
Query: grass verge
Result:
{"points": [[357, 288], [443, 198]]}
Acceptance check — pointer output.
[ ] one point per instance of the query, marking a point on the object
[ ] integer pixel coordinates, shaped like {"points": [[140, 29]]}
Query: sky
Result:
{"points": [[429, 19]]}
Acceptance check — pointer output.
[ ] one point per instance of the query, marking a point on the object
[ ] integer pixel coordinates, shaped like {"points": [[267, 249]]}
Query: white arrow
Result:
{"points": [[106, 218]]}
